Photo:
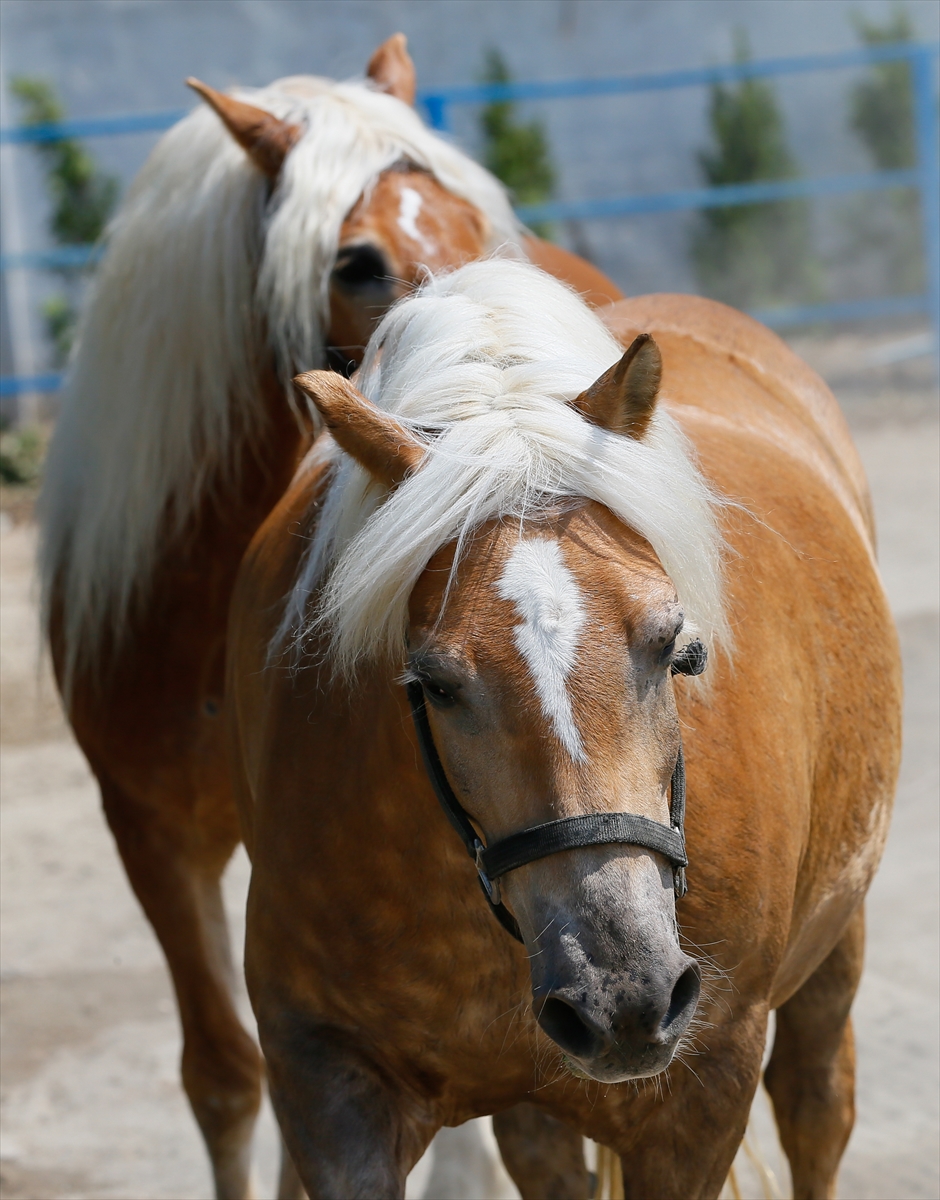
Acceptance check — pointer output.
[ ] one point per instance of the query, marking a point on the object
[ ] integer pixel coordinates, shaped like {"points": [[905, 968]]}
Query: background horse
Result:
{"points": [[248, 248], [519, 532]]}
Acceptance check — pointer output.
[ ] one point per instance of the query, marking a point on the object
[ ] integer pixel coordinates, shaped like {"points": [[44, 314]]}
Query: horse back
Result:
{"points": [[729, 365]]}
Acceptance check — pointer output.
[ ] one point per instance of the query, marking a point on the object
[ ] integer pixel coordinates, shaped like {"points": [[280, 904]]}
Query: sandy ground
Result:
{"points": [[91, 1104]]}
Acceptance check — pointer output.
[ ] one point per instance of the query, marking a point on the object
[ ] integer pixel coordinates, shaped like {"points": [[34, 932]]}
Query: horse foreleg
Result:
{"points": [[350, 1134], [221, 1065], [544, 1156], [811, 1073], [685, 1141]]}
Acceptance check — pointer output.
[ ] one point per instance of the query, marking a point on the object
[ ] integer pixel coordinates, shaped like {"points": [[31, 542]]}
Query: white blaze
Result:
{"points": [[547, 598], [410, 205]]}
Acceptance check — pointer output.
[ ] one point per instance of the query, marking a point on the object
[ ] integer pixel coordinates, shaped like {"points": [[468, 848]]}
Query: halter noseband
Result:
{"points": [[568, 833]]}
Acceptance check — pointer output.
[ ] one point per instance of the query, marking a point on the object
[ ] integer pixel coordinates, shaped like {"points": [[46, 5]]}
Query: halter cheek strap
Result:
{"points": [[568, 833]]}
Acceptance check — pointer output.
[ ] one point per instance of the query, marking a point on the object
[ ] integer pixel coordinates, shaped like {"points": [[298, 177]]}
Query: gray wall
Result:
{"points": [[118, 56]]}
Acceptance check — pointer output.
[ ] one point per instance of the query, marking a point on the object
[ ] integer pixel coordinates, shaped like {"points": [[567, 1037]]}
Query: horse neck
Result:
{"points": [[241, 492]]}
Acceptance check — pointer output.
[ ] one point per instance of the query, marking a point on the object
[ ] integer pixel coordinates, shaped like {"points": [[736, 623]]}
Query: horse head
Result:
{"points": [[403, 226], [543, 649]]}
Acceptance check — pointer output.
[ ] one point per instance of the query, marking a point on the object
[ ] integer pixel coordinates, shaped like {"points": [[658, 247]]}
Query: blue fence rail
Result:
{"points": [[925, 176]]}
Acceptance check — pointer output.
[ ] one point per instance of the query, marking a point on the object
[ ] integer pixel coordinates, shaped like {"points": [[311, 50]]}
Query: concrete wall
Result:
{"points": [[118, 56]]}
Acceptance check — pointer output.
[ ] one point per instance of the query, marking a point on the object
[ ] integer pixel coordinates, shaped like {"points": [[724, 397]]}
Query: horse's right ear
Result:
{"points": [[387, 450], [266, 138], [624, 397], [392, 70]]}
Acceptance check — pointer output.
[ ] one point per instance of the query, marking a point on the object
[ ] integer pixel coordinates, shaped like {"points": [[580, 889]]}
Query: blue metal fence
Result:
{"points": [[925, 176]]}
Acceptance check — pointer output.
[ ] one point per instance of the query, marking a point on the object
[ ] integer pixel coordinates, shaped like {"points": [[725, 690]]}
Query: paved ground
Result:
{"points": [[91, 1106]]}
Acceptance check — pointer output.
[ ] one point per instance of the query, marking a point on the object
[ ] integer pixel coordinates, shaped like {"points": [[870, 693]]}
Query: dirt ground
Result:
{"points": [[90, 1101]]}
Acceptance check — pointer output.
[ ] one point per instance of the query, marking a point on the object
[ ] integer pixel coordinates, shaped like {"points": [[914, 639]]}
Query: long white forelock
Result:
{"points": [[487, 359], [165, 372]]}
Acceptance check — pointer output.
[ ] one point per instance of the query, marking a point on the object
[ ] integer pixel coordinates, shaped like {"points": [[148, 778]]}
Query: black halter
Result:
{"points": [[568, 833]]}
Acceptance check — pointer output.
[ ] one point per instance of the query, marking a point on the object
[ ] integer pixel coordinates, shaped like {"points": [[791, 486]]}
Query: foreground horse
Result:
{"points": [[249, 247], [511, 537]]}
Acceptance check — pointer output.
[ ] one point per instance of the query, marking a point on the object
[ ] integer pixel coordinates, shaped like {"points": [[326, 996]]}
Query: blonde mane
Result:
{"points": [[202, 266], [487, 358]]}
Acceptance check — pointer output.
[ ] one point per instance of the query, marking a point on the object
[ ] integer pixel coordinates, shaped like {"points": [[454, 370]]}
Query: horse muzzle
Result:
{"points": [[618, 1024]]}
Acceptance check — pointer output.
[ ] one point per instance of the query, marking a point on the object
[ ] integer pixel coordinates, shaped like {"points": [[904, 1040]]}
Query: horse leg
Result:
{"points": [[677, 1137], [182, 899], [350, 1133], [811, 1073], [544, 1157]]}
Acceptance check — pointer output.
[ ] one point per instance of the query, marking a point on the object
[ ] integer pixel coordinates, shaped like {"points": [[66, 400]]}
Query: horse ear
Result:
{"points": [[392, 69], [374, 438], [624, 397], [266, 138]]}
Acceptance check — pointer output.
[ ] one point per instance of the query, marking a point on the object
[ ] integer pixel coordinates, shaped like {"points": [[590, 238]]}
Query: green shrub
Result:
{"points": [[882, 105], [883, 229], [517, 153], [82, 197], [751, 254], [21, 454]]}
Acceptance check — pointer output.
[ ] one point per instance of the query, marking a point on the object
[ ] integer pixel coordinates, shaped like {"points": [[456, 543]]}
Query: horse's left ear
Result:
{"points": [[392, 70], [266, 138], [624, 397], [386, 449]]}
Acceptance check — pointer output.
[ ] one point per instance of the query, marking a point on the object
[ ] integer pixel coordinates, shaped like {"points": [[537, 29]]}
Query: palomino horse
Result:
{"points": [[248, 248], [519, 542]]}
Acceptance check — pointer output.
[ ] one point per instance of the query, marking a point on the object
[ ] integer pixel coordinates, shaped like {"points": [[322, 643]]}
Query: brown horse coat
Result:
{"points": [[389, 1001], [146, 705]]}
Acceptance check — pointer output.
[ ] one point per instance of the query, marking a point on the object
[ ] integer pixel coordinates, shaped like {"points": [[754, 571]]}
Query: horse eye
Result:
{"points": [[357, 266], [665, 655], [438, 695]]}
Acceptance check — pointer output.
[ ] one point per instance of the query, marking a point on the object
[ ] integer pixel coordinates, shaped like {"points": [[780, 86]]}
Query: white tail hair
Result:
{"points": [[488, 358], [162, 389]]}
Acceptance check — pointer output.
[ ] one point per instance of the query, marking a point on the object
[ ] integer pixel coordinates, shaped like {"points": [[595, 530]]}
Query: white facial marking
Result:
{"points": [[547, 598], [411, 205]]}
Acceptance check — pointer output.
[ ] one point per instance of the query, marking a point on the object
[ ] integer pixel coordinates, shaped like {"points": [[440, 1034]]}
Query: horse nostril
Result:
{"points": [[563, 1025], [684, 996]]}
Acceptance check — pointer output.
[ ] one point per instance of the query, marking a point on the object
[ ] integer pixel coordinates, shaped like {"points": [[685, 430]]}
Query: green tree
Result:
{"points": [[883, 230], [751, 254], [882, 104], [21, 454], [82, 197], [517, 153]]}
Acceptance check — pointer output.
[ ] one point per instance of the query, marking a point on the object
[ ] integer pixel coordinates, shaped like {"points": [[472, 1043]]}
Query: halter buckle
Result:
{"points": [[490, 886]]}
